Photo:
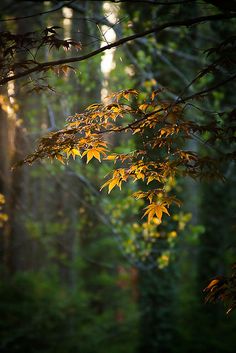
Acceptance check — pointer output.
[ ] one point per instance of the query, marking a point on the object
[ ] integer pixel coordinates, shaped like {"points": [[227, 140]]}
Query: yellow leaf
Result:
{"points": [[213, 283], [115, 109], [162, 132], [94, 106], [153, 96], [89, 155], [139, 195], [111, 157], [155, 210], [75, 152], [105, 184], [60, 158], [103, 143], [151, 178], [96, 155], [143, 107], [158, 212], [112, 184], [151, 215], [126, 96], [93, 153], [139, 175], [164, 209], [136, 130]]}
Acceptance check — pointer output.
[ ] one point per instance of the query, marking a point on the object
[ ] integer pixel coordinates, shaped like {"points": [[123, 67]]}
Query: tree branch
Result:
{"points": [[37, 14], [178, 101], [181, 23], [207, 90], [153, 2]]}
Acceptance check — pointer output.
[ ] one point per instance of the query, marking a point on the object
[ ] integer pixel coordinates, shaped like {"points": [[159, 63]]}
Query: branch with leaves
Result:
{"points": [[223, 289], [162, 129]]}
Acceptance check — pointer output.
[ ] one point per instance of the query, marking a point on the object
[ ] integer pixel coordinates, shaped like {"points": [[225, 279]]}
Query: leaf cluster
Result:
{"points": [[223, 289], [14, 45], [162, 128]]}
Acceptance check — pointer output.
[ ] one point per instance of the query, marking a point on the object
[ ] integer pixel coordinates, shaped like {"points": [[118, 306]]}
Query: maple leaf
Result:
{"points": [[93, 153], [143, 107], [155, 209], [139, 195], [72, 152], [119, 176], [111, 183], [111, 157]]}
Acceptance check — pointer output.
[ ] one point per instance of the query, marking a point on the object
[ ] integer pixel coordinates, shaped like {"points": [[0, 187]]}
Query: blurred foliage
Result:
{"points": [[40, 314], [3, 216]]}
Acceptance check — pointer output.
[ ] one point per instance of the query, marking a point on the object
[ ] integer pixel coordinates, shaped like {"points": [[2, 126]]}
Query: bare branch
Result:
{"points": [[37, 14], [208, 90]]}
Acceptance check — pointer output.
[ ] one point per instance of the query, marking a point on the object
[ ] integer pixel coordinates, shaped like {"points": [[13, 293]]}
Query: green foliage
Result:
{"points": [[35, 307], [37, 311]]}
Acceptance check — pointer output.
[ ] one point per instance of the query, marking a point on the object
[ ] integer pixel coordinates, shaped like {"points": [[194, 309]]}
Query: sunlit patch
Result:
{"points": [[67, 15], [109, 36]]}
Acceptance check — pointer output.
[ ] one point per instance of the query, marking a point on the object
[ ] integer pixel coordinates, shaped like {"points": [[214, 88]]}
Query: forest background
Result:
{"points": [[81, 269]]}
